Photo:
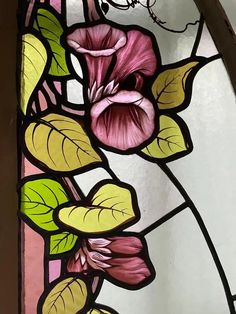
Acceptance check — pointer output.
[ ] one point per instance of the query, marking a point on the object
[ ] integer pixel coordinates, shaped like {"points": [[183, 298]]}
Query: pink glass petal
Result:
{"points": [[125, 245], [99, 40], [97, 69], [136, 56], [132, 271], [78, 263], [98, 43], [98, 243], [123, 121]]}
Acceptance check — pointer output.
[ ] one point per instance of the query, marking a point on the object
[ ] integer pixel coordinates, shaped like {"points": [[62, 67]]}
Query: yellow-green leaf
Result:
{"points": [[39, 199], [34, 59], [169, 141], [60, 143], [98, 311], [62, 242], [51, 29], [101, 309], [68, 296], [106, 208], [169, 87]]}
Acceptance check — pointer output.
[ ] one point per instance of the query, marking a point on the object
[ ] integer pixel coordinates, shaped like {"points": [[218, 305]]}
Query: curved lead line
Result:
{"points": [[205, 234]]}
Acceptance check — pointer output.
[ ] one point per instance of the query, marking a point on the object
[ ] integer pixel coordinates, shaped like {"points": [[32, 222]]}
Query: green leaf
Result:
{"points": [[106, 208], [34, 59], [39, 198], [170, 86], [170, 140], [49, 26], [69, 296], [60, 143], [62, 242]]}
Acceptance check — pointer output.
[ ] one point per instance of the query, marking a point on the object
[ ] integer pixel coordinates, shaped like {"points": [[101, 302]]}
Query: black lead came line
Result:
{"points": [[165, 218], [198, 37], [188, 203], [148, 6], [201, 224]]}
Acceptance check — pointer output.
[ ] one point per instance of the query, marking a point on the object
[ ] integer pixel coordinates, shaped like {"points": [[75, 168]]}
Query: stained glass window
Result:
{"points": [[126, 122]]}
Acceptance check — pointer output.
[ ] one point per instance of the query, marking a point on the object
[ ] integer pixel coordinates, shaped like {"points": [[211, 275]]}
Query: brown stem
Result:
{"points": [[72, 188], [50, 93], [92, 10], [29, 12], [222, 34], [95, 283]]}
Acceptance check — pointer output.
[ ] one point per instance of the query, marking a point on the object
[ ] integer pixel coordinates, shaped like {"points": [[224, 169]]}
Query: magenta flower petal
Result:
{"points": [[98, 44], [123, 121], [122, 245], [132, 270], [100, 245], [125, 245], [137, 56], [119, 257], [77, 263], [97, 41], [74, 266]]}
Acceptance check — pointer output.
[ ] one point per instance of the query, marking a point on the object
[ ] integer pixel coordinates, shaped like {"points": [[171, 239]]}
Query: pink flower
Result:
{"points": [[119, 257], [98, 44], [118, 63], [126, 111]]}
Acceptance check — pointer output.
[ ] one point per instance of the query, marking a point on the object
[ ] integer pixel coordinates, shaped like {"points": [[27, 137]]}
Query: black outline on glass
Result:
{"points": [[149, 80], [87, 202], [151, 13], [186, 136], [104, 307], [198, 37], [188, 202], [75, 276], [204, 231], [165, 218], [37, 119], [144, 255]]}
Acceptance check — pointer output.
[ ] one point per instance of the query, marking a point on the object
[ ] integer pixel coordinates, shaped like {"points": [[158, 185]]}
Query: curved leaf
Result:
{"points": [[101, 309], [49, 26], [60, 143], [106, 208], [169, 141], [34, 59], [62, 242], [169, 87], [68, 296], [39, 198]]}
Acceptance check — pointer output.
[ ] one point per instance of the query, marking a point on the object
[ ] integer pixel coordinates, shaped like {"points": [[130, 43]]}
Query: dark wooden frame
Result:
{"points": [[222, 33], [8, 160]]}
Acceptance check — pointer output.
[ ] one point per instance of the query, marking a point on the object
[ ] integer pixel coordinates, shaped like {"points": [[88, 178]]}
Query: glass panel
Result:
{"points": [[126, 204]]}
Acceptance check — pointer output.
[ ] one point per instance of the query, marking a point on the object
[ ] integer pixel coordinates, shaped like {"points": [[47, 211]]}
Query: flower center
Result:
{"points": [[124, 120], [122, 116]]}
